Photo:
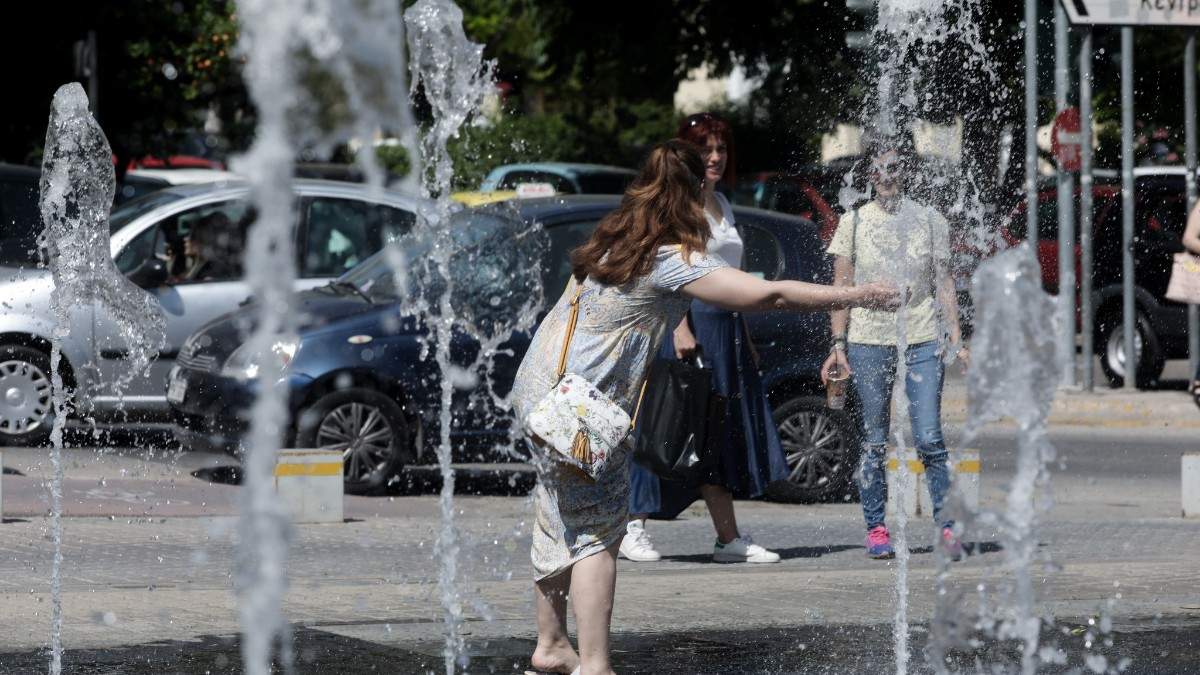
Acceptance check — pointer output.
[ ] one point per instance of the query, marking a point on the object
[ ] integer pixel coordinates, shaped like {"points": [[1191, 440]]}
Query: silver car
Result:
{"points": [[153, 243]]}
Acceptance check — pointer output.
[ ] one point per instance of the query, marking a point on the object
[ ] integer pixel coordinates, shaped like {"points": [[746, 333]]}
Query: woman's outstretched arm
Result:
{"points": [[733, 289]]}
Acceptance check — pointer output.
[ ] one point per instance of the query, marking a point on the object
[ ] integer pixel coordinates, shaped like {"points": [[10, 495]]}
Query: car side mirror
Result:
{"points": [[150, 274]]}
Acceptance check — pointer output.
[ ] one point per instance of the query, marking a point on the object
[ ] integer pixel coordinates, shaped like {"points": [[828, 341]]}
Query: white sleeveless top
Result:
{"points": [[725, 242]]}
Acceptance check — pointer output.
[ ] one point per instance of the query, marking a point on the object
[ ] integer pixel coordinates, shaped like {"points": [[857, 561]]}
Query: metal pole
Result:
{"points": [[1189, 116], [93, 74], [1087, 305], [1066, 204], [1128, 309], [1031, 165]]}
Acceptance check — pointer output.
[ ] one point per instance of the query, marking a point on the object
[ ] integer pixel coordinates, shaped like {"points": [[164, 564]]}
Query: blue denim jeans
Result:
{"points": [[874, 375]]}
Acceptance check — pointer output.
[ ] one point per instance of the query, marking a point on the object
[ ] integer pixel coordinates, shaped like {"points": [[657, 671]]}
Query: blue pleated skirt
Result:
{"points": [[751, 456]]}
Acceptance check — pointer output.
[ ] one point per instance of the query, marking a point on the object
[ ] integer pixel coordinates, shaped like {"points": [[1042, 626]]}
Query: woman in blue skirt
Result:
{"points": [[751, 455]]}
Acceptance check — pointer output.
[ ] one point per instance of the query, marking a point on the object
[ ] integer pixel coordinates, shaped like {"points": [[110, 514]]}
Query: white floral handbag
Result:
{"points": [[576, 420], [1184, 285]]}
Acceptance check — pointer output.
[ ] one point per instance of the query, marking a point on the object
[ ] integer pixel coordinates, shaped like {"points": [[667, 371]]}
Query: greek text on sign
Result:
{"points": [[1177, 13]]}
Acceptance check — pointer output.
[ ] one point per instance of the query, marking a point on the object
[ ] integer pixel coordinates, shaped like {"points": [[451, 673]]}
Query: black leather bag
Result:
{"points": [[679, 419]]}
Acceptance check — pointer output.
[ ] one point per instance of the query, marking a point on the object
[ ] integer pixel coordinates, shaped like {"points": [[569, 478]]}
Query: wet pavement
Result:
{"points": [[1147, 647], [147, 587]]}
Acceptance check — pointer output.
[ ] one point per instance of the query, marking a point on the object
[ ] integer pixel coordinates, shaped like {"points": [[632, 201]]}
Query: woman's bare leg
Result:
{"points": [[593, 582], [554, 653], [720, 507]]}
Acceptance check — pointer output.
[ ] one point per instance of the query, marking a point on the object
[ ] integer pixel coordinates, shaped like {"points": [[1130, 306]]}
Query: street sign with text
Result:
{"points": [[1167, 13]]}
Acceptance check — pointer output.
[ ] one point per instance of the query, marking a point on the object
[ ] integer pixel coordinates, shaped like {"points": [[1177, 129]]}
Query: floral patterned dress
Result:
{"points": [[618, 332]]}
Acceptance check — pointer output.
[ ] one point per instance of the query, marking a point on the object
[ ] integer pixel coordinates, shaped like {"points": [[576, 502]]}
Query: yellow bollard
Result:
{"points": [[909, 488], [309, 483], [1191, 485]]}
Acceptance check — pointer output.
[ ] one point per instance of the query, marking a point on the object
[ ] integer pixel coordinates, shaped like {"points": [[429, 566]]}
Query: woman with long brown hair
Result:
{"points": [[749, 453], [632, 280]]}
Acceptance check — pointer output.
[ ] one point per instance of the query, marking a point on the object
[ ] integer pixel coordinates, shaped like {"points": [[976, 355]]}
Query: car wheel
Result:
{"points": [[26, 405], [367, 427], [821, 449], [1111, 341]]}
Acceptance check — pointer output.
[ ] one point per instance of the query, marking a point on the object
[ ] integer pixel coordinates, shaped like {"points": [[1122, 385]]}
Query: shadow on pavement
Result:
{"points": [[784, 553], [504, 480], [822, 648], [156, 437], [495, 481], [972, 548]]}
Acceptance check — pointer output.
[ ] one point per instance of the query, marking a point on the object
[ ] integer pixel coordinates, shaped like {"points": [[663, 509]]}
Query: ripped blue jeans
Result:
{"points": [[874, 375]]}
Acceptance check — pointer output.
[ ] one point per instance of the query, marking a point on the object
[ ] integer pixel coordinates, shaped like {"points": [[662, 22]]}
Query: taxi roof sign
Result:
{"points": [[534, 190]]}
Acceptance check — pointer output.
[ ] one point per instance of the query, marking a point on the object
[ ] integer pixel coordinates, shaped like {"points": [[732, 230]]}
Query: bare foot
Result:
{"points": [[556, 657]]}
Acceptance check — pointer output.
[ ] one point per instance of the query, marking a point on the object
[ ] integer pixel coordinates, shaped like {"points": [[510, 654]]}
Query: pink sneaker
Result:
{"points": [[952, 544], [879, 544]]}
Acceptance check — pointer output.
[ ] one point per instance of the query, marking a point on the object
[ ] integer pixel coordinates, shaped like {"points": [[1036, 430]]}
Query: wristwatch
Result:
{"points": [[839, 343]]}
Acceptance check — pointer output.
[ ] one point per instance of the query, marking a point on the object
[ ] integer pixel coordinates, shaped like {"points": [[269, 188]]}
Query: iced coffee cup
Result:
{"points": [[835, 388]]}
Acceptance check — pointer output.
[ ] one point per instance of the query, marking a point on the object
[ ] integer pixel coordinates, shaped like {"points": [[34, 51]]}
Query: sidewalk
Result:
{"points": [[1103, 407], [154, 595]]}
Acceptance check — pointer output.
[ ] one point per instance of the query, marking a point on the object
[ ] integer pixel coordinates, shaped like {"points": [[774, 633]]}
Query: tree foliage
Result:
{"points": [[580, 81]]}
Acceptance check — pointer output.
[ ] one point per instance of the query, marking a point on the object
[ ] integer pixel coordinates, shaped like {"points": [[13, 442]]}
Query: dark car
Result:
{"points": [[811, 194], [20, 213], [1160, 214], [358, 379], [20, 210]]}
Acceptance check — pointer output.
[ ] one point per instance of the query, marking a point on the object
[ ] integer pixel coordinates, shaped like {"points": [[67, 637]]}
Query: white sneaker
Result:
{"points": [[636, 545], [743, 549]]}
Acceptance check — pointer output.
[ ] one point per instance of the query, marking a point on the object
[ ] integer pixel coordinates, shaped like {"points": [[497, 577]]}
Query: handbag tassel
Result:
{"points": [[581, 449]]}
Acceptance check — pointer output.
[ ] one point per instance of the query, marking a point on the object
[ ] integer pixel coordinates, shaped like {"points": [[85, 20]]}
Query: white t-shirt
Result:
{"points": [[725, 242], [878, 242]]}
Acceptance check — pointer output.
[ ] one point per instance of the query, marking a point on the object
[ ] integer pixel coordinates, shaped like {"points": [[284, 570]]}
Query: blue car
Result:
{"points": [[359, 378]]}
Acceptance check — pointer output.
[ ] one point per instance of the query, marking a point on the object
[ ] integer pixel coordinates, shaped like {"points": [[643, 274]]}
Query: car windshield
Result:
{"points": [[374, 276], [604, 183], [491, 267], [135, 208]]}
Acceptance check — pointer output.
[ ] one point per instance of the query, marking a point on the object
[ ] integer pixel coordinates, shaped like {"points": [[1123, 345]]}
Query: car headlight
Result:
{"points": [[243, 363]]}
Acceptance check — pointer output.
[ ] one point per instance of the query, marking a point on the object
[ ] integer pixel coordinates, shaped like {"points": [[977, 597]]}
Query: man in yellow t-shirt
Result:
{"points": [[893, 238]]}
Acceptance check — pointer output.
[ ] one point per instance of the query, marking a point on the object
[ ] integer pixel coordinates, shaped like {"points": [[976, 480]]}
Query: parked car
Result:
{"points": [[338, 225], [138, 182], [358, 381], [566, 178], [810, 194], [1160, 214], [20, 213]]}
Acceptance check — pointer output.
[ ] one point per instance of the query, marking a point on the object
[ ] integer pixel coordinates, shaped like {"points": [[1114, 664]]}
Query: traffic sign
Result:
{"points": [[1065, 139], [1177, 13]]}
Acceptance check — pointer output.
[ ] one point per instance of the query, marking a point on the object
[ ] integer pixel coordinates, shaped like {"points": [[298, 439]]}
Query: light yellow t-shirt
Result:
{"points": [[904, 248]]}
